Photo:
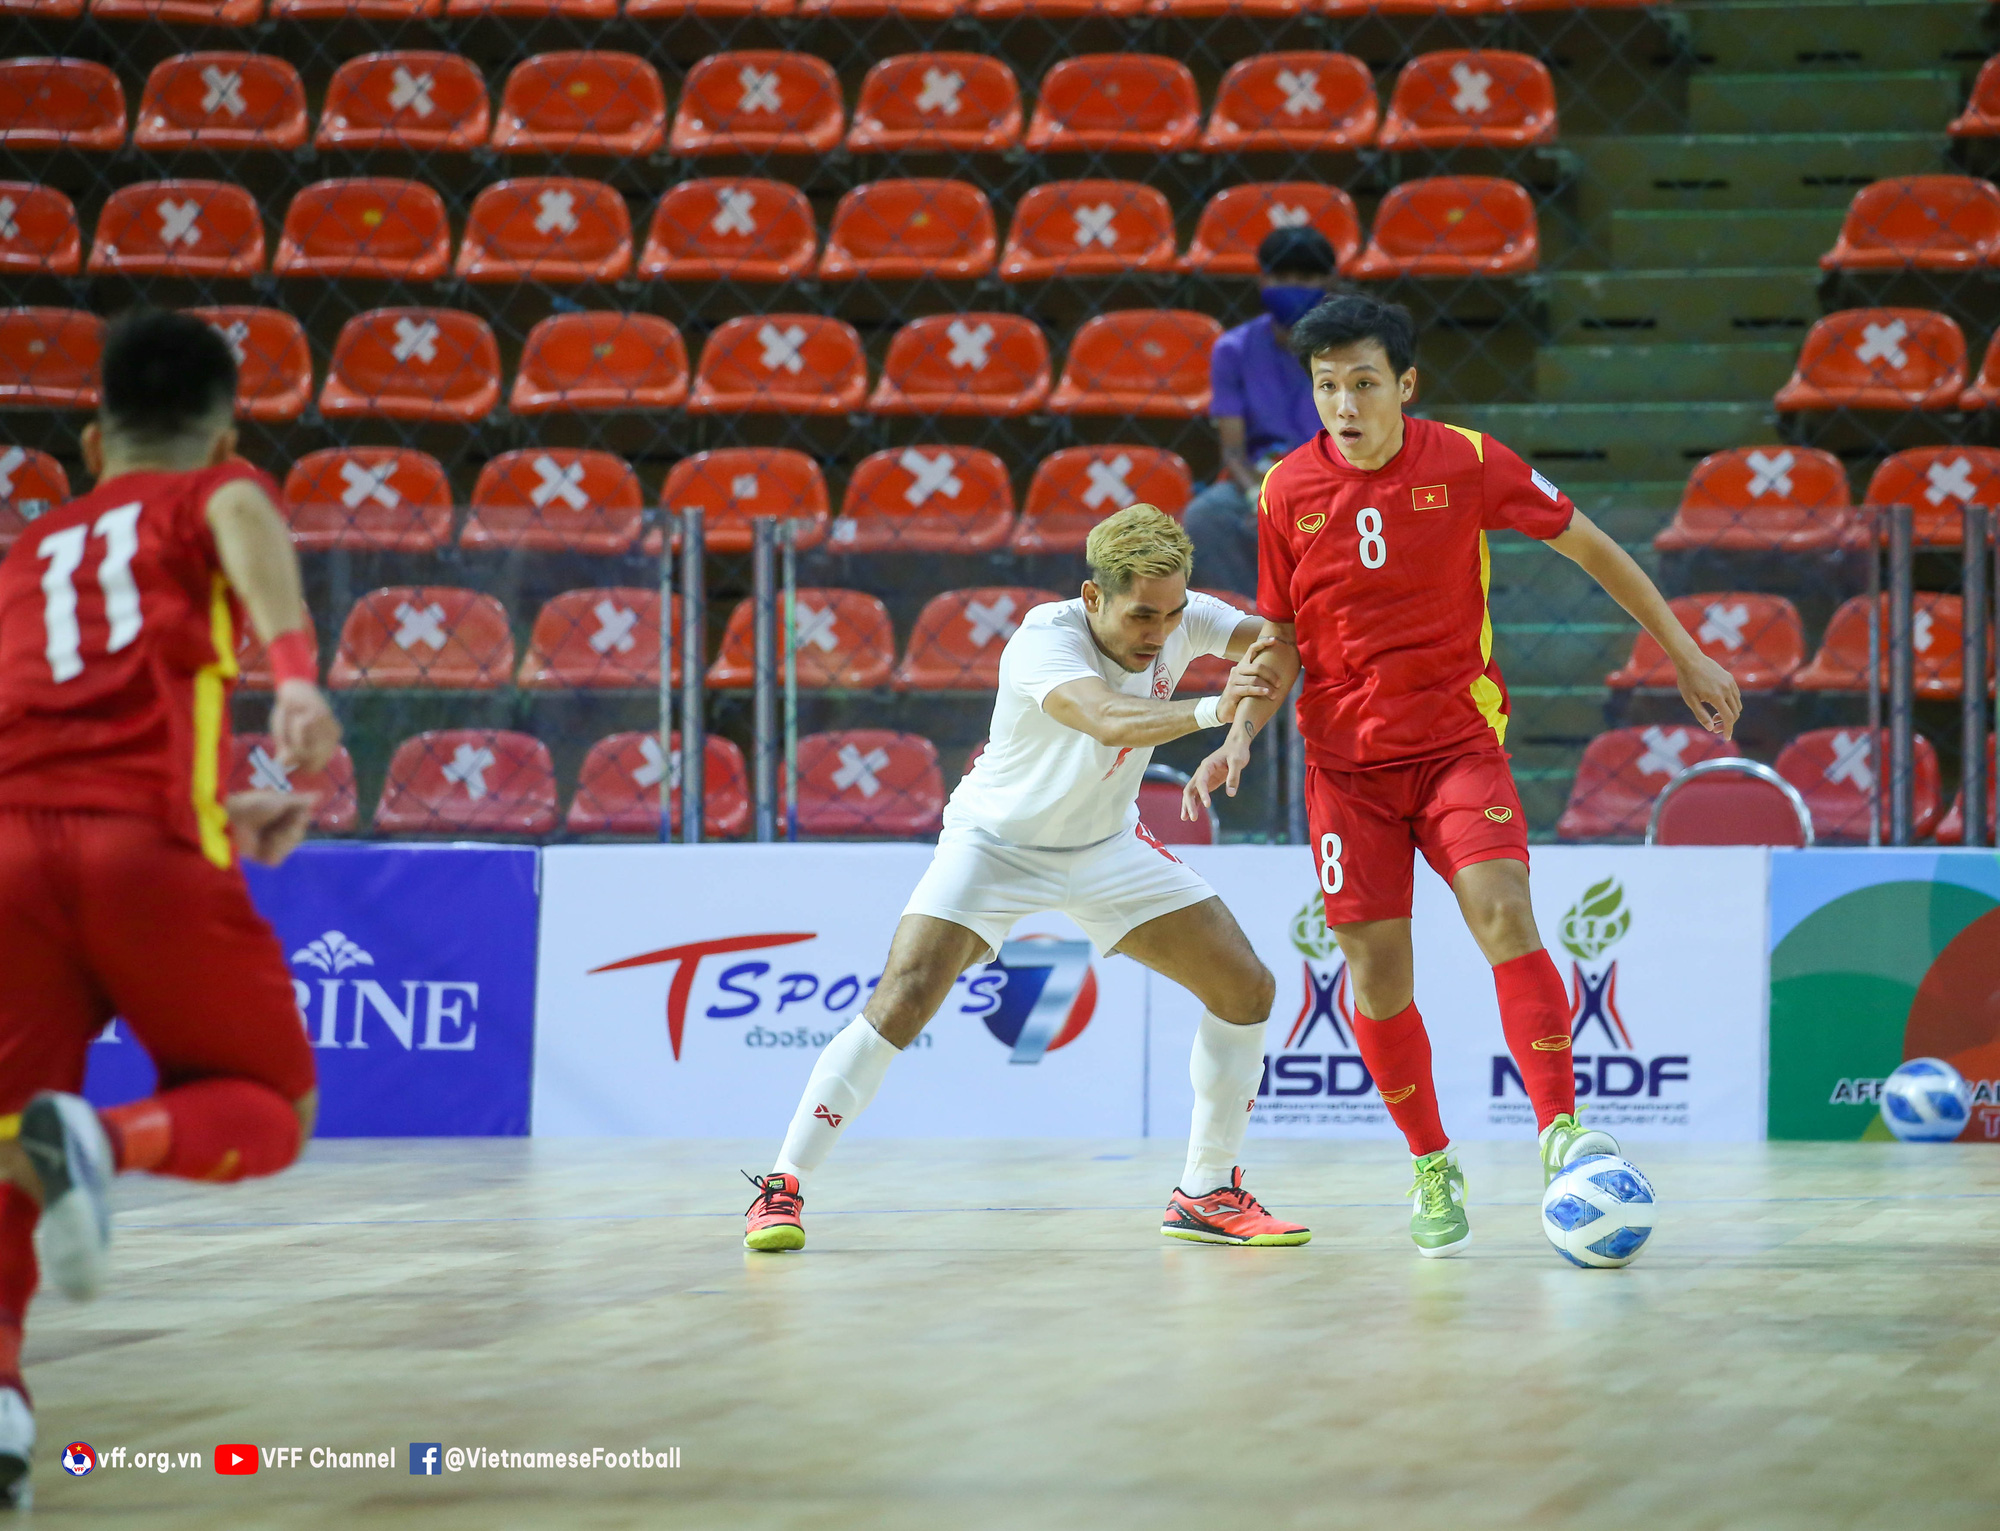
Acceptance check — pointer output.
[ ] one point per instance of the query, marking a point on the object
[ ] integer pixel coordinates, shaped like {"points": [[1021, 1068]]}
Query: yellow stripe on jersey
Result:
{"points": [[1263, 482], [1485, 695], [211, 696], [1478, 441]]}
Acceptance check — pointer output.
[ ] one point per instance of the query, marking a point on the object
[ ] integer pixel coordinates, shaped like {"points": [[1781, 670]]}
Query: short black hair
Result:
{"points": [[165, 374], [1347, 317], [1296, 252]]}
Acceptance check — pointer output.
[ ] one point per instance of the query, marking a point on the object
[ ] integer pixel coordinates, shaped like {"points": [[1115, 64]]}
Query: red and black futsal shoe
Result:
{"points": [[772, 1222], [1228, 1215]]}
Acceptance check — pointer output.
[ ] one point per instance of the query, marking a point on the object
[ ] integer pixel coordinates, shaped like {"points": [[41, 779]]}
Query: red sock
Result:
{"points": [[1534, 1012], [1398, 1054], [18, 1275], [213, 1129]]}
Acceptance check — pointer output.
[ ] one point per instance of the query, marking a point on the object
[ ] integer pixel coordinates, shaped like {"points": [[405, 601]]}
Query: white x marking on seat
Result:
{"points": [[818, 626], [237, 333], [419, 624], [1473, 84], [656, 763], [928, 475], [1883, 342], [1770, 474], [469, 765], [557, 482], [1724, 625], [969, 344], [555, 212], [732, 211], [1853, 757], [9, 229], [783, 348], [859, 770], [1950, 481], [743, 487], [1283, 217], [1093, 226], [10, 459], [1108, 481], [179, 221], [615, 624], [940, 92], [1665, 751], [1920, 629], [225, 91], [415, 337], [760, 89], [412, 91], [366, 483], [990, 620], [1301, 88], [266, 775]]}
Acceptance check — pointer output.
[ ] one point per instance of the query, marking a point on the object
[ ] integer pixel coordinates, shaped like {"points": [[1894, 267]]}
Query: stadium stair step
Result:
{"points": [[1833, 35], [1573, 443], [1724, 237], [1647, 373], [1861, 101], [1697, 172], [1681, 306]]}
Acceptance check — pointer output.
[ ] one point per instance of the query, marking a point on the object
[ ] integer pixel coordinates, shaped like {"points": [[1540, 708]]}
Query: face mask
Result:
{"points": [[1288, 305]]}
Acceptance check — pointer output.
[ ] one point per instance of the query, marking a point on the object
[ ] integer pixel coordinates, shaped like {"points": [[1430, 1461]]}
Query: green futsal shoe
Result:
{"points": [[1566, 1140], [1438, 1222]]}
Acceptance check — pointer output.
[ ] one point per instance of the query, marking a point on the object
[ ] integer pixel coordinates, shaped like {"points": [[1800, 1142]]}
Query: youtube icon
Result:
{"points": [[238, 1460]]}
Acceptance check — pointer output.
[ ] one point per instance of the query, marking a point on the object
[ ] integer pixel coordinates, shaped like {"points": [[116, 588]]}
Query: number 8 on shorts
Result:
{"points": [[1331, 876]]}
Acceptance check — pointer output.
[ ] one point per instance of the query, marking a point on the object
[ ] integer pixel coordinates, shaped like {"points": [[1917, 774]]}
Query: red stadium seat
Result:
{"points": [[222, 101], [1920, 223], [555, 500], [937, 103], [965, 364], [1088, 228], [31, 484], [618, 788], [704, 10], [1981, 117], [599, 639], [1310, 102], [388, 230], [601, 362], [608, 104], [1622, 773], [1938, 483], [758, 102], [39, 235], [1756, 638], [454, 780], [956, 643], [413, 364], [179, 228], [1240, 218], [405, 100], [1470, 98], [274, 380], [844, 638], [60, 103], [1138, 361], [424, 636], [869, 783], [551, 229], [46, 10], [1259, 10], [1078, 487], [1106, 102], [734, 485], [356, 10], [1834, 770], [902, 230], [573, 10], [1209, 673], [189, 13], [785, 364], [1056, 10], [926, 500], [1938, 636], [48, 358], [1452, 225], [1762, 499], [253, 664], [1730, 801], [1160, 810], [741, 230], [254, 767], [1878, 358], [1952, 830], [1985, 390], [375, 499], [1350, 10], [875, 10]]}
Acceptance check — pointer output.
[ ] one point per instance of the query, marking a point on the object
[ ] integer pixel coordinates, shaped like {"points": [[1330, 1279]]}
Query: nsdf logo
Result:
{"points": [[1315, 1078]]}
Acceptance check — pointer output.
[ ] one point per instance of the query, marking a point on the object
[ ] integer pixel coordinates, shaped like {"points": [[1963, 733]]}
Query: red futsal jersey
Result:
{"points": [[117, 649], [1384, 575]]}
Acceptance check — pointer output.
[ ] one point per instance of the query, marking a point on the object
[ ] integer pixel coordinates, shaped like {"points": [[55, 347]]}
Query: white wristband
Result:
{"points": [[1208, 712]]}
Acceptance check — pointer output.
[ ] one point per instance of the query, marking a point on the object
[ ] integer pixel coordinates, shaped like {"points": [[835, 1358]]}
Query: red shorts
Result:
{"points": [[1457, 810], [107, 914]]}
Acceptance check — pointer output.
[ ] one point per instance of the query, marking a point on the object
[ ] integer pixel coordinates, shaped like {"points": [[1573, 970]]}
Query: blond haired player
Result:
{"points": [[1047, 819]]}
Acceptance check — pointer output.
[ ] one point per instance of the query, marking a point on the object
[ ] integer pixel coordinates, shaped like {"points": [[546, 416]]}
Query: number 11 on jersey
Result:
{"points": [[63, 551]]}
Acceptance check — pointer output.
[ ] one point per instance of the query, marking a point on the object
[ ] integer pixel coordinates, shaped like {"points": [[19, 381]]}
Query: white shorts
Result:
{"points": [[1109, 889]]}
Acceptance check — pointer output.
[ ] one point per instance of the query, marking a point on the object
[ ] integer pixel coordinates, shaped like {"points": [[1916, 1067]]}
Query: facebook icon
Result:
{"points": [[426, 1457]]}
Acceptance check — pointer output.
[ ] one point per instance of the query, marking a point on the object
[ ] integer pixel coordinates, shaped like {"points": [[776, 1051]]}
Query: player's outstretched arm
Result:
{"points": [[1273, 659], [257, 558], [1118, 721], [1709, 690]]}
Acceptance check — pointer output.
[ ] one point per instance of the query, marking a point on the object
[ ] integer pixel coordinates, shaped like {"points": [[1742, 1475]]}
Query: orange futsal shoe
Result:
{"points": [[773, 1219], [1229, 1215]]}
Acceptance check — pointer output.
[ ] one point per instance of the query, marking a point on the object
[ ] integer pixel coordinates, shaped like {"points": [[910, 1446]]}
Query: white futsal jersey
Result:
{"points": [[1043, 784]]}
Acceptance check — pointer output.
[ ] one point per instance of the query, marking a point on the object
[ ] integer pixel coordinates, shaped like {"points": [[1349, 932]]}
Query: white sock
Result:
{"points": [[843, 1081], [1226, 1067]]}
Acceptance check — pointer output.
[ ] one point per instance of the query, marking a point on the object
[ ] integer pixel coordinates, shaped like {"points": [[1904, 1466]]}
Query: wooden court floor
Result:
{"points": [[995, 1335]]}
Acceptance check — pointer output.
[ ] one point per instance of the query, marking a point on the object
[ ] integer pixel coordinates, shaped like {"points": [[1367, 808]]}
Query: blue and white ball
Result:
{"points": [[1598, 1211], [1926, 1101]]}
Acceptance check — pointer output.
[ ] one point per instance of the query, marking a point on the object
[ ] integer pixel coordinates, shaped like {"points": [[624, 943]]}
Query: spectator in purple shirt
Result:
{"points": [[1262, 407]]}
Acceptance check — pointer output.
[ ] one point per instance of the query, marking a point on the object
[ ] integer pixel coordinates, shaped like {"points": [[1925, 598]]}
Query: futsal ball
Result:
{"points": [[1598, 1211], [1926, 1101]]}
